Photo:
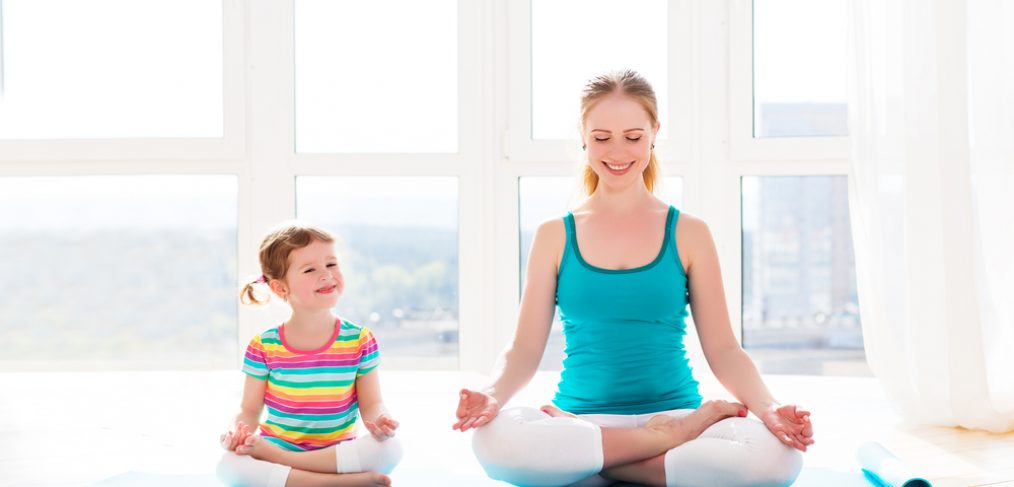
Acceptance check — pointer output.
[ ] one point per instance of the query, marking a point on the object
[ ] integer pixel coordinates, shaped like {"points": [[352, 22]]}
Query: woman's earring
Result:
{"points": [[584, 147], [652, 146]]}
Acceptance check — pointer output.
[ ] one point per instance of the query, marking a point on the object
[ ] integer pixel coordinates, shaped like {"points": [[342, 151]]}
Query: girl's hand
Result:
{"points": [[475, 409], [791, 425], [383, 428], [230, 440]]}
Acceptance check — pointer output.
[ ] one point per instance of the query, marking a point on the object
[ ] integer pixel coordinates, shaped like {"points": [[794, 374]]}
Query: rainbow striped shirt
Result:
{"points": [[311, 394]]}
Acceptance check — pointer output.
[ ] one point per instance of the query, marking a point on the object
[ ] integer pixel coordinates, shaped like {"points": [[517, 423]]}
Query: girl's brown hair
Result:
{"points": [[633, 85], [274, 254]]}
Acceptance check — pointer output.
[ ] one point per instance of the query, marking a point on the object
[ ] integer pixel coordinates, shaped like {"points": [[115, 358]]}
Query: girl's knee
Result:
{"points": [[366, 453], [388, 455], [244, 471]]}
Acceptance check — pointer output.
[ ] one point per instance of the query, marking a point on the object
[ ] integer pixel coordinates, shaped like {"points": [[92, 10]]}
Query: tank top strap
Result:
{"points": [[571, 241], [675, 213]]}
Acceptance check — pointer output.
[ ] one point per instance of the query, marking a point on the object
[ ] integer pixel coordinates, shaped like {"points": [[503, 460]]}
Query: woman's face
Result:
{"points": [[618, 135]]}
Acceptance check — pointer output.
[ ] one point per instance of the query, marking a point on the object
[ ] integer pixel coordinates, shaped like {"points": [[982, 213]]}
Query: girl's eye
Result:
{"points": [[600, 140], [308, 271], [332, 265], [633, 140]]}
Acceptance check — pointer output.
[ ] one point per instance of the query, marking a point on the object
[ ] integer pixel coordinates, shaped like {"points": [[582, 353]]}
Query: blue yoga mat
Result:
{"points": [[884, 469]]}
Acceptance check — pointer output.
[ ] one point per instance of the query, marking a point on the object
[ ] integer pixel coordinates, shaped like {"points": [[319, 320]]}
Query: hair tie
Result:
{"points": [[262, 279]]}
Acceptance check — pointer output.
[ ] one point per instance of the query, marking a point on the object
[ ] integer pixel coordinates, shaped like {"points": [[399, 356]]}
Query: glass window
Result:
{"points": [[398, 249], [377, 76], [118, 271], [800, 306], [800, 87], [111, 69], [575, 40], [544, 198]]}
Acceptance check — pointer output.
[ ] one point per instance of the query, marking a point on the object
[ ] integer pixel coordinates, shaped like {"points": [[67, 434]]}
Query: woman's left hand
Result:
{"points": [[383, 428], [789, 424]]}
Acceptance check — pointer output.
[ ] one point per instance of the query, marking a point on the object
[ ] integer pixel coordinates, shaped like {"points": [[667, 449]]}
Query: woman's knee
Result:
{"points": [[733, 452], [777, 463], [528, 447]]}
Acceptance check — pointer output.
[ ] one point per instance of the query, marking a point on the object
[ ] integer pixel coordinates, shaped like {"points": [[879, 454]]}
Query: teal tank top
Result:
{"points": [[624, 333]]}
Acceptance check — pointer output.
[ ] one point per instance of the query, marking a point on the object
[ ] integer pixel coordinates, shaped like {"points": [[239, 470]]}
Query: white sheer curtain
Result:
{"points": [[932, 204]]}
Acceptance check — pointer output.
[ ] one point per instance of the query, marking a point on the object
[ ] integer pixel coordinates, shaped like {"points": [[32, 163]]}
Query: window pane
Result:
{"points": [[800, 80], [800, 307], [398, 248], [633, 36], [111, 68], [118, 271], [377, 76], [544, 198]]}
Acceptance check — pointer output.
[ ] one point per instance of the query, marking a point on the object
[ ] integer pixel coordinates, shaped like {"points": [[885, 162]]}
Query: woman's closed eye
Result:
{"points": [[632, 139]]}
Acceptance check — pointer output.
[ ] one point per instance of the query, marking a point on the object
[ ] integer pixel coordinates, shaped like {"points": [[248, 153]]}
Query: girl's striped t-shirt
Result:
{"points": [[311, 395]]}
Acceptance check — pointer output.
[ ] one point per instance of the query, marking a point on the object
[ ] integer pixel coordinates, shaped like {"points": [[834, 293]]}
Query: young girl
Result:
{"points": [[315, 373]]}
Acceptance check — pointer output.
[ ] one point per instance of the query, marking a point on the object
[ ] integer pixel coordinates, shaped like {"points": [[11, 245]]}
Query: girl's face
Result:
{"points": [[618, 135], [314, 279]]}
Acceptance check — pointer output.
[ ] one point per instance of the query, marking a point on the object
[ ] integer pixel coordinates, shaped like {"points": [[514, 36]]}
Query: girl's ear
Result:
{"points": [[277, 287]]}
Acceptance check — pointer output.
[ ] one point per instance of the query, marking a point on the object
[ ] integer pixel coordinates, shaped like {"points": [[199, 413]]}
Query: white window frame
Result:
{"points": [[710, 146], [746, 147], [521, 146], [150, 151]]}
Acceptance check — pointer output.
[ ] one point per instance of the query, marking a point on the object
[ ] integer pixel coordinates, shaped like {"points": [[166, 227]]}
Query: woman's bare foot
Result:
{"points": [[682, 430], [556, 412]]}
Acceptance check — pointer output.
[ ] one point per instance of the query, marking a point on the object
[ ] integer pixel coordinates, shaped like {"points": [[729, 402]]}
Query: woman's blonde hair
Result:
{"points": [[627, 83], [274, 254]]}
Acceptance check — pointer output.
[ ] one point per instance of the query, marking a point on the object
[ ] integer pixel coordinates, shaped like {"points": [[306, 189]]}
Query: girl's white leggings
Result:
{"points": [[525, 446], [362, 454]]}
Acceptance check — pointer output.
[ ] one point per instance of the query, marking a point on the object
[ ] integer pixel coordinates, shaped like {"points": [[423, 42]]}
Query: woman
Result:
{"points": [[622, 267]]}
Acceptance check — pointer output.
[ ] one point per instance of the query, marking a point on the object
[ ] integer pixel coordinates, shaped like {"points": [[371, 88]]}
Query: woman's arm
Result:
{"points": [[518, 363], [730, 364]]}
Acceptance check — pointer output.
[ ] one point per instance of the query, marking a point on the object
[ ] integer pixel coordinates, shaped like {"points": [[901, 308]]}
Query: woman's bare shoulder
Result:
{"points": [[692, 236], [551, 229]]}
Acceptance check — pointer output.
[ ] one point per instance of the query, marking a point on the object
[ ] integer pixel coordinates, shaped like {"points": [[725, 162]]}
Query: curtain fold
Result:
{"points": [[931, 194]]}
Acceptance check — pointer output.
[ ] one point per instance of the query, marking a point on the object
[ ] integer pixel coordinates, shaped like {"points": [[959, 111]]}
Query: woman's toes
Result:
{"points": [[556, 412]]}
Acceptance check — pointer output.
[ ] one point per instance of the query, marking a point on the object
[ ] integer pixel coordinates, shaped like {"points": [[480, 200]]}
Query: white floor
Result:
{"points": [[86, 428]]}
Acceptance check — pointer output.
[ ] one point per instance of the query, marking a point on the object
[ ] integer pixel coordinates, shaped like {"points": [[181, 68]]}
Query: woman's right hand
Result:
{"points": [[475, 409]]}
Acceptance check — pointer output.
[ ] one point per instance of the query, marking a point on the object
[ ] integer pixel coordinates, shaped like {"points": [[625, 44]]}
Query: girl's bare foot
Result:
{"points": [[556, 412], [682, 430], [360, 479], [364, 479]]}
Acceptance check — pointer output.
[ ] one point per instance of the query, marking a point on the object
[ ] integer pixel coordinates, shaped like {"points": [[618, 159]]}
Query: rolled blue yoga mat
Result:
{"points": [[884, 469]]}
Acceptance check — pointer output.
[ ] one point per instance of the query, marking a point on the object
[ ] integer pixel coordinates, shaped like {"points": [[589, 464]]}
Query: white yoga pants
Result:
{"points": [[362, 454], [525, 446]]}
